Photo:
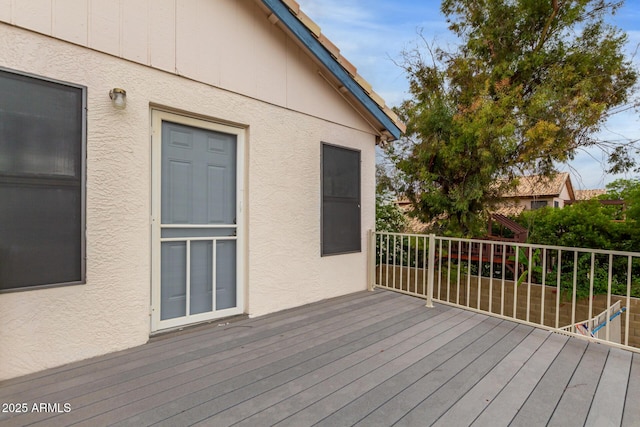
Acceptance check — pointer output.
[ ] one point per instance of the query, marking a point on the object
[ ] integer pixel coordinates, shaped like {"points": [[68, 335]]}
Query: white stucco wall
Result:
{"points": [[564, 195], [50, 327]]}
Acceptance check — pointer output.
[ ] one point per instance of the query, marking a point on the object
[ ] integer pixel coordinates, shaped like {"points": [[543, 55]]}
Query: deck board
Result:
{"points": [[265, 375], [177, 337], [631, 415], [465, 410], [174, 351], [608, 403], [573, 408], [431, 408], [370, 378], [400, 349], [427, 382], [253, 355], [221, 380], [291, 397], [512, 397], [540, 405], [370, 358], [357, 409]]}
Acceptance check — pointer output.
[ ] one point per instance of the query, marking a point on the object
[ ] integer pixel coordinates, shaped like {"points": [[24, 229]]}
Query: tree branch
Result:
{"points": [[547, 25]]}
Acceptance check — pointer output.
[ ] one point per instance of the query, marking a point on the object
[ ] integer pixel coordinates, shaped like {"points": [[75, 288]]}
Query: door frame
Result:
{"points": [[157, 117]]}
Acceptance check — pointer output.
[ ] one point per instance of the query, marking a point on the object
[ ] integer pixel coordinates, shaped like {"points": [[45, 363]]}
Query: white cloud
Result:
{"points": [[372, 34]]}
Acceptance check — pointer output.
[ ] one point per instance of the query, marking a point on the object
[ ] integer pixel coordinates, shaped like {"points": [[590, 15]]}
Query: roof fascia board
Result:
{"points": [[315, 47]]}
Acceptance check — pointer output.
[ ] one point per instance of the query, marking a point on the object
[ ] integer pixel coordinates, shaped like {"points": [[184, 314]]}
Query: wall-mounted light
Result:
{"points": [[119, 98]]}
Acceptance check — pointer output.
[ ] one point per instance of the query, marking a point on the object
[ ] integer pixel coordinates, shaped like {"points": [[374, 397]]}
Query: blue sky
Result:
{"points": [[373, 33]]}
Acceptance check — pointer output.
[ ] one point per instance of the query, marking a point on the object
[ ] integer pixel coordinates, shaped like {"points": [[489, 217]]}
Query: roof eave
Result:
{"points": [[308, 40]]}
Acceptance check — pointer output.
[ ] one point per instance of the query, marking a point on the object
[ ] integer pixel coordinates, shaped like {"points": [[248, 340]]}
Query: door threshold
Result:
{"points": [[195, 327]]}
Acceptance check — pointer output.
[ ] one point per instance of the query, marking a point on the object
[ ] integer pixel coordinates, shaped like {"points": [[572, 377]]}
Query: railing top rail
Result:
{"points": [[391, 233], [520, 245]]}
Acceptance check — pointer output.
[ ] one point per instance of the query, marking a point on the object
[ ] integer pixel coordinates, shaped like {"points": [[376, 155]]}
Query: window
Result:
{"points": [[556, 204], [42, 151], [537, 204], [340, 200]]}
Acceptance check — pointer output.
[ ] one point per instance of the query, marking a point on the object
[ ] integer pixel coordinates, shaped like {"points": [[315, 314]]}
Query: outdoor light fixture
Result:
{"points": [[119, 98]]}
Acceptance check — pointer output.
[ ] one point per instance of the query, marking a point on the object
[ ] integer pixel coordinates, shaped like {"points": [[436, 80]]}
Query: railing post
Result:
{"points": [[371, 279], [431, 269]]}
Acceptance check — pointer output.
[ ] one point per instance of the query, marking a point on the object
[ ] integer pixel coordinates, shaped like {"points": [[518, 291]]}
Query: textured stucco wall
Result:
{"points": [[50, 327], [284, 252]]}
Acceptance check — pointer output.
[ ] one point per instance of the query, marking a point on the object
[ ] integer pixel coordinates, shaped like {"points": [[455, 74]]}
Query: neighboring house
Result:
{"points": [[536, 191], [584, 195], [235, 175], [413, 224], [589, 194], [531, 192]]}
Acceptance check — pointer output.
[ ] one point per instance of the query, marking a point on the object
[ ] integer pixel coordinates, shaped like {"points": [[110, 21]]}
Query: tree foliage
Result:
{"points": [[389, 217], [584, 225], [530, 83], [590, 224], [627, 190]]}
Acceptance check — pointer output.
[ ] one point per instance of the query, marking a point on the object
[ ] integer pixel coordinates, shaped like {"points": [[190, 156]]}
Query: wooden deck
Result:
{"points": [[368, 359]]}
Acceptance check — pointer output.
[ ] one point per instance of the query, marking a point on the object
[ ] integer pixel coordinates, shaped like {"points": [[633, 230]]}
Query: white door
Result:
{"points": [[196, 220]]}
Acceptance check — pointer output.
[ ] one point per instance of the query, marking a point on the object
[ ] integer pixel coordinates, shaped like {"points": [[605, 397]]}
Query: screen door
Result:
{"points": [[195, 221]]}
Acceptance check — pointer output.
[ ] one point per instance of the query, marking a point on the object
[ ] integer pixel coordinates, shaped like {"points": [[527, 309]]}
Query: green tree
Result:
{"points": [[530, 83], [582, 225], [587, 224], [389, 217], [629, 191]]}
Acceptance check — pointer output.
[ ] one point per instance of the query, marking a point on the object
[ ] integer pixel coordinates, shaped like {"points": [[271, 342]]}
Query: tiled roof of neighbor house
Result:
{"points": [[414, 225], [309, 35], [540, 186], [509, 209], [589, 194]]}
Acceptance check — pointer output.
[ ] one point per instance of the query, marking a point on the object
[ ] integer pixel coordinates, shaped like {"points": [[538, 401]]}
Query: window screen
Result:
{"points": [[41, 182], [340, 200], [537, 204]]}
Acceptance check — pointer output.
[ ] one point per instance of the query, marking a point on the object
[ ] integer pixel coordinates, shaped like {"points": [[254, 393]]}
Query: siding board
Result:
{"points": [[162, 35], [135, 31], [224, 43], [104, 26], [5, 11], [197, 39], [70, 20], [240, 74], [35, 15], [271, 65]]}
